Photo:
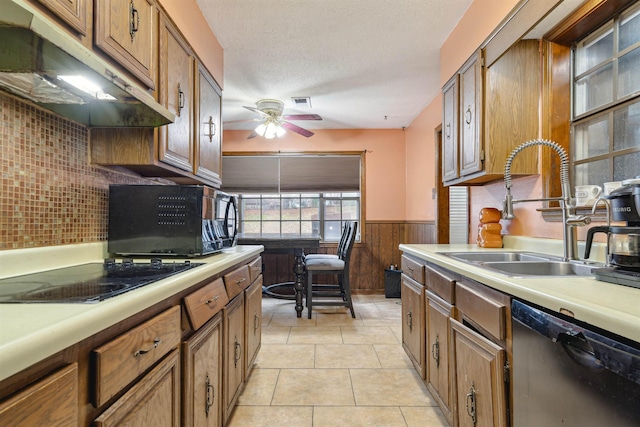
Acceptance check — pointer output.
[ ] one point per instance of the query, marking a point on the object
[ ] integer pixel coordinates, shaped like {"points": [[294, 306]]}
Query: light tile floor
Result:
{"points": [[333, 370]]}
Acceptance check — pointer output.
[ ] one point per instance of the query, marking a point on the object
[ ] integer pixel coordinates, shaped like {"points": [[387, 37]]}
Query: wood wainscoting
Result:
{"points": [[370, 257]]}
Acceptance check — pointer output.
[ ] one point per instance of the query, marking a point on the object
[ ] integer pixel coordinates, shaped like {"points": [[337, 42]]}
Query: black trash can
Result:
{"points": [[392, 283]]}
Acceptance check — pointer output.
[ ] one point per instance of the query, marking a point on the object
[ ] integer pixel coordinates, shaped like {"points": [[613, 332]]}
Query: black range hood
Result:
{"points": [[35, 54]]}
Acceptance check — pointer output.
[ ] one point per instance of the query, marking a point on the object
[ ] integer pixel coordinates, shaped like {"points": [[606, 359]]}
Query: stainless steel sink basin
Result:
{"points": [[524, 263], [541, 268], [496, 256]]}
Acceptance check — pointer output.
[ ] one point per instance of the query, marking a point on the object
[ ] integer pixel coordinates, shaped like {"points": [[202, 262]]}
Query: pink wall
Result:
{"points": [[421, 168], [189, 18], [384, 161]]}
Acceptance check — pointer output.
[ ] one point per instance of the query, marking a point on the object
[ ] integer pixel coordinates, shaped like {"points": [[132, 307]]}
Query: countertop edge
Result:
{"points": [[611, 307], [21, 346]]}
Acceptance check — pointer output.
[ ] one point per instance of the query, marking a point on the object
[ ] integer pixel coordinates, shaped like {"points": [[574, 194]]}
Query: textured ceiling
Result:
{"points": [[365, 64]]}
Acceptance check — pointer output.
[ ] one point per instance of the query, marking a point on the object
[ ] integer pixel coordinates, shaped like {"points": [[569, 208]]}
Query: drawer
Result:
{"points": [[413, 268], [441, 284], [483, 307], [237, 281], [204, 303], [255, 269], [123, 359]]}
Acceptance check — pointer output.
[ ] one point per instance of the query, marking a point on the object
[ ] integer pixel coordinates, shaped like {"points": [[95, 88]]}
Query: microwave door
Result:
{"points": [[231, 220]]}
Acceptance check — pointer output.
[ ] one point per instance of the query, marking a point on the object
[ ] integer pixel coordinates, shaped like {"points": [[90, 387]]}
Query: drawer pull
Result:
{"points": [[211, 393], [214, 299], [435, 351], [240, 280], [471, 403], [410, 320], [237, 352], [156, 343]]}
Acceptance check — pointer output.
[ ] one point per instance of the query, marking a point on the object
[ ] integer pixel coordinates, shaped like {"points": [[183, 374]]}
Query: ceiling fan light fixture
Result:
{"points": [[270, 129]]}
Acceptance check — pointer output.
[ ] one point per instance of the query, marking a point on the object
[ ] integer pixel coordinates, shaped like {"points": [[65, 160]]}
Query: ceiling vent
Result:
{"points": [[301, 101]]}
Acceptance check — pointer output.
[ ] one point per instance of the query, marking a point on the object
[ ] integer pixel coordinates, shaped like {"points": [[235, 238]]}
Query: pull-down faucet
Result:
{"points": [[569, 218]]}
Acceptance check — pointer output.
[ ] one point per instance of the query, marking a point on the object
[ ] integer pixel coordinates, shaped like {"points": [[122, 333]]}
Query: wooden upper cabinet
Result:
{"points": [[471, 90], [72, 12], [450, 130], [176, 94], [208, 128], [126, 30]]}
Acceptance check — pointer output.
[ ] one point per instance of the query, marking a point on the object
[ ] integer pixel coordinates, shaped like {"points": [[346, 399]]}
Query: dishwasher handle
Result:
{"points": [[579, 350]]}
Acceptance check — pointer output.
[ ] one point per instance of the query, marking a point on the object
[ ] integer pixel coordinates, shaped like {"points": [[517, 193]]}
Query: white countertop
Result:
{"points": [[611, 307], [31, 332]]}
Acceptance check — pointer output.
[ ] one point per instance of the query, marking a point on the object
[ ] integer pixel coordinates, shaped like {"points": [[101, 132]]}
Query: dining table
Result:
{"points": [[285, 243]]}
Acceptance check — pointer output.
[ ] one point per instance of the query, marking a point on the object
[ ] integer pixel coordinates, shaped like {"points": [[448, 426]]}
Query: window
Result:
{"points": [[606, 102], [295, 194], [321, 213]]}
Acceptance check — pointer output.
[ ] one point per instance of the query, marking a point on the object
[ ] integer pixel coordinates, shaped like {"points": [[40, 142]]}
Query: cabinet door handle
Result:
{"points": [[134, 20], [435, 351], [211, 393], [471, 404], [410, 320], [212, 128], [237, 352], [467, 116], [256, 323], [180, 99], [156, 343]]}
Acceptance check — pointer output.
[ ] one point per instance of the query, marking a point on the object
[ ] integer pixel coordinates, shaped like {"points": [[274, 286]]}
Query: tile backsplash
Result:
{"points": [[50, 194]]}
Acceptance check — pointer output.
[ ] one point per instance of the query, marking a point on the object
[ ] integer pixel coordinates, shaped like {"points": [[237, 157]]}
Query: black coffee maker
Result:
{"points": [[623, 241]]}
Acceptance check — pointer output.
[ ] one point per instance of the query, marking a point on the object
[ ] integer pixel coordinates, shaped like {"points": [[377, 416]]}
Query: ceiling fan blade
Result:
{"points": [[242, 121], [296, 129], [253, 134], [302, 117], [255, 110]]}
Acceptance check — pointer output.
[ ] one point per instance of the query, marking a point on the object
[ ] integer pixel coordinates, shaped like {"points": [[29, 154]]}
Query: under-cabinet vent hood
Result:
{"points": [[40, 62]]}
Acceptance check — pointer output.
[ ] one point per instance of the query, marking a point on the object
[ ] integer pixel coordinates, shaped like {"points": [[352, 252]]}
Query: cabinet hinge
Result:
{"points": [[482, 155], [507, 371]]}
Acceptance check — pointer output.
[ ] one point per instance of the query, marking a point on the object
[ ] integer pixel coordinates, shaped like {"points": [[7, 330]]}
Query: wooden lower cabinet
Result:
{"points": [[437, 351], [479, 394], [153, 401], [253, 324], [202, 376], [233, 363], [52, 402], [413, 323]]}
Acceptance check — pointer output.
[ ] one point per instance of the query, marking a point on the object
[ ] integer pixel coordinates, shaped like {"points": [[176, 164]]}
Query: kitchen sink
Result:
{"points": [[525, 263], [541, 268], [496, 256]]}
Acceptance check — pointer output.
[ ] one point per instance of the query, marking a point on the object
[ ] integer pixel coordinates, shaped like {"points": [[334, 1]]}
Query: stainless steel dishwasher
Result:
{"points": [[565, 374]]}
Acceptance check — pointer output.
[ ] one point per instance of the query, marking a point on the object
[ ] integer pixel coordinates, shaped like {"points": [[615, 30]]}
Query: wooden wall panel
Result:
{"points": [[369, 259]]}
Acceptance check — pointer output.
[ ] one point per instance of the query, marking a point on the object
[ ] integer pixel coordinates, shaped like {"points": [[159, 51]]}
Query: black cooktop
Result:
{"points": [[87, 283]]}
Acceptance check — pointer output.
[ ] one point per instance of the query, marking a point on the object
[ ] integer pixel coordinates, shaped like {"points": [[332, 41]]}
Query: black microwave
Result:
{"points": [[170, 220]]}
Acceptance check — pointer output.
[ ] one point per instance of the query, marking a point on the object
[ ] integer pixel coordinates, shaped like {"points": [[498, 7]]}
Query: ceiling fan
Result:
{"points": [[274, 122]]}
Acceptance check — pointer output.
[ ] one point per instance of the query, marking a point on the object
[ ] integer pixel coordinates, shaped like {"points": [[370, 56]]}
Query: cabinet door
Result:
{"points": [[176, 94], [480, 395], [126, 31], [450, 130], [233, 352], [152, 401], [72, 12], [51, 402], [208, 129], [438, 351], [202, 376], [413, 337], [471, 92], [253, 323]]}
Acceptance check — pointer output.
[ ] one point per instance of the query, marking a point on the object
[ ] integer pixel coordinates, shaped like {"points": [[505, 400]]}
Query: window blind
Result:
{"points": [[291, 173]]}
